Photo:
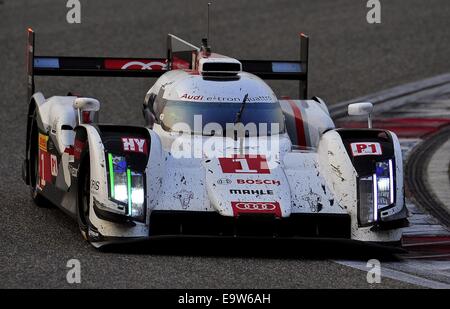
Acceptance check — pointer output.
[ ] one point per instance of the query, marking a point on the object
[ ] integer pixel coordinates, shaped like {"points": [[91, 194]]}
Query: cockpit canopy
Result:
{"points": [[217, 118]]}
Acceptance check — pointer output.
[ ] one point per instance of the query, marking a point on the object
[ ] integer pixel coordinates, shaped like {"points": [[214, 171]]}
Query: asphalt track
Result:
{"points": [[349, 58]]}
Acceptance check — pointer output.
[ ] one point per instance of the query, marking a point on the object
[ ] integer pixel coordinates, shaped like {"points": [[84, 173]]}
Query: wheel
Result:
{"points": [[33, 172], [84, 196]]}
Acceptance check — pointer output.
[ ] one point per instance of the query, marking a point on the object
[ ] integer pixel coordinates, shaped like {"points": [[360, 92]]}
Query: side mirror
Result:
{"points": [[86, 107], [361, 109]]}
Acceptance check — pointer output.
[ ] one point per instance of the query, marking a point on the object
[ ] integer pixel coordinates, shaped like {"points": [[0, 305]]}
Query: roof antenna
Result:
{"points": [[207, 34], [205, 46]]}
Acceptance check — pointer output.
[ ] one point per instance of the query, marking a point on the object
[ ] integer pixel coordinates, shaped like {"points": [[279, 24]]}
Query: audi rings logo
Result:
{"points": [[256, 206], [144, 66], [135, 64]]}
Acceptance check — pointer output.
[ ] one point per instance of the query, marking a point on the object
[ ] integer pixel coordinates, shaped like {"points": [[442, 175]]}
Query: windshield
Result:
{"points": [[266, 117]]}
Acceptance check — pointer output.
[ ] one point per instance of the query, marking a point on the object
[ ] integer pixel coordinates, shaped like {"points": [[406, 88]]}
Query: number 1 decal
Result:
{"points": [[244, 166], [42, 169], [248, 164]]}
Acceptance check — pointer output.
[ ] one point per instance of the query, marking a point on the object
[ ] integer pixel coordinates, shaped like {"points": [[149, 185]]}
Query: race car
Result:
{"points": [[219, 154]]}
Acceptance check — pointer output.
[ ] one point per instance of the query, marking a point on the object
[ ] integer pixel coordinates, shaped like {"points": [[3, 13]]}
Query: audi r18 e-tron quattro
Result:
{"points": [[219, 155]]}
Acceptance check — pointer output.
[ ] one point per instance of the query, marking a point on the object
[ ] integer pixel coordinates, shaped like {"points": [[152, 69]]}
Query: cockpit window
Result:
{"points": [[266, 117], [66, 127]]}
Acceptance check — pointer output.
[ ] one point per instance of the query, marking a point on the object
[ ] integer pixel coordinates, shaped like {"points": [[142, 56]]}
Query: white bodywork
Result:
{"points": [[318, 179]]}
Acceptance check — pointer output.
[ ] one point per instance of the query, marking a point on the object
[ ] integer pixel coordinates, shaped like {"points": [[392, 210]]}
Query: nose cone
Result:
{"points": [[246, 184]]}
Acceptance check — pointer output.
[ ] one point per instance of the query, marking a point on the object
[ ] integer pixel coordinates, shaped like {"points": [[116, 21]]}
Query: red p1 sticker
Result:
{"points": [[256, 208], [131, 144], [248, 164], [366, 149]]}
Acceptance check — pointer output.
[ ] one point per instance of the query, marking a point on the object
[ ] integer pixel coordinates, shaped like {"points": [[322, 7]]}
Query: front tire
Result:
{"points": [[84, 197]]}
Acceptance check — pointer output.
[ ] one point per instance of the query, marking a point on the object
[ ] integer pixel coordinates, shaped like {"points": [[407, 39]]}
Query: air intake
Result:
{"points": [[220, 66]]}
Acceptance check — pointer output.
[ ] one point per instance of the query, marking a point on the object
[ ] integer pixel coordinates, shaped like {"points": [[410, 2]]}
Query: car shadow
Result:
{"points": [[317, 249]]}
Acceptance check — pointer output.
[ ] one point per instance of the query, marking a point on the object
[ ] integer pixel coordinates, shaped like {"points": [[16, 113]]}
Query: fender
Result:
{"points": [[384, 145], [36, 100], [108, 216], [346, 167], [306, 121]]}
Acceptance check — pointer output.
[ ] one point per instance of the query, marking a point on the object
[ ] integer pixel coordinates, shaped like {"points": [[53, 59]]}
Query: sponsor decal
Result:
{"points": [[252, 192], [135, 64], [365, 149], [192, 97], [43, 139], [248, 164], [78, 149], [69, 151], [224, 181], [258, 182], [95, 185], [131, 144], [44, 168], [197, 97], [54, 165], [184, 197], [256, 208]]}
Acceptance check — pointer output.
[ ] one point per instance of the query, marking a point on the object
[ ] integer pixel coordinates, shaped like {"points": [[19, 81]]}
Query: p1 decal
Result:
{"points": [[54, 165], [256, 208], [131, 144], [247, 164], [366, 149], [43, 142]]}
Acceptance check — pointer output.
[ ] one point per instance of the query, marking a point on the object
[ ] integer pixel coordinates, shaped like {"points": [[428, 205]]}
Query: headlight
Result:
{"points": [[385, 183], [126, 187], [136, 187], [366, 213], [375, 192]]}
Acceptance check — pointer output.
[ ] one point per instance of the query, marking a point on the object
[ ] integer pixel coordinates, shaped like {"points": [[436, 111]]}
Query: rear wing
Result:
{"points": [[180, 55]]}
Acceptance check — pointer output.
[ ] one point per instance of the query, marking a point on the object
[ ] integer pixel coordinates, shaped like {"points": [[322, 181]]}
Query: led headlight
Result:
{"points": [[385, 183], [126, 187], [366, 213], [136, 203], [375, 192]]}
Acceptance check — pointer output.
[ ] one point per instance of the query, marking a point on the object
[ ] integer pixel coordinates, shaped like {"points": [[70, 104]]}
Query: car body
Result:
{"points": [[220, 155]]}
